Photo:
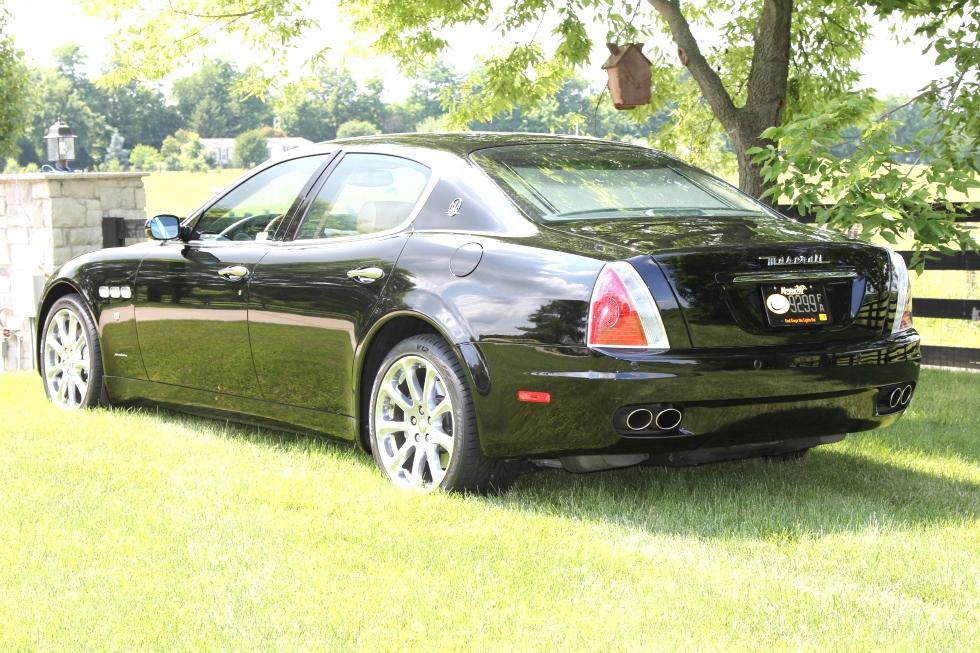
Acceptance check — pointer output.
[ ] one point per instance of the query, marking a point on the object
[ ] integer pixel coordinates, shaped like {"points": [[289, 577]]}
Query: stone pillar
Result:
{"points": [[45, 220]]}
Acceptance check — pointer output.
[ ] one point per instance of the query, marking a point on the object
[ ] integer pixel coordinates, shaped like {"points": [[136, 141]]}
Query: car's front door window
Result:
{"points": [[254, 210], [366, 193]]}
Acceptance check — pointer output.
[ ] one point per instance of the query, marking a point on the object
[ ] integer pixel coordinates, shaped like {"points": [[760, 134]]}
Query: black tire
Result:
{"points": [[72, 376], [403, 451]]}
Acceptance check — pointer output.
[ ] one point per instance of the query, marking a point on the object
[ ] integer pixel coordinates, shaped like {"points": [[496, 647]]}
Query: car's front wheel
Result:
{"points": [[423, 425], [71, 361]]}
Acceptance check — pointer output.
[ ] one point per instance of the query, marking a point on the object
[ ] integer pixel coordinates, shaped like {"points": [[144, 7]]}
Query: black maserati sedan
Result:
{"points": [[464, 306]]}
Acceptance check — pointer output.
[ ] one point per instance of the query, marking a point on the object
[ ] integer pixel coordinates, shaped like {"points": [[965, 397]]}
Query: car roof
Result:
{"points": [[462, 144]]}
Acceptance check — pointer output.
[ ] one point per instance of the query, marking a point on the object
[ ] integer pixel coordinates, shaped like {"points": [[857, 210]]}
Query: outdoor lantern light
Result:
{"points": [[61, 145]]}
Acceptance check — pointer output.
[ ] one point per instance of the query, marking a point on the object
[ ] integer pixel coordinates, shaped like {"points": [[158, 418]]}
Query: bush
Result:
{"points": [[144, 157], [251, 149], [357, 128]]}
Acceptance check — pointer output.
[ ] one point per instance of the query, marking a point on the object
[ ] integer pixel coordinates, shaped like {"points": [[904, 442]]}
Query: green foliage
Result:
{"points": [[328, 100], [15, 90], [870, 189], [194, 157], [353, 128], [878, 186], [251, 149], [144, 157], [210, 101]]}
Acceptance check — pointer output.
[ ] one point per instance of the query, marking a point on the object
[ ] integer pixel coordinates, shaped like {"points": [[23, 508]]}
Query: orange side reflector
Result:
{"points": [[534, 397]]}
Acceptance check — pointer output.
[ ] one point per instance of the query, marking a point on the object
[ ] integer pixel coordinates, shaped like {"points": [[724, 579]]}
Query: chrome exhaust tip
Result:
{"points": [[906, 395], [639, 420], [668, 419], [896, 397]]}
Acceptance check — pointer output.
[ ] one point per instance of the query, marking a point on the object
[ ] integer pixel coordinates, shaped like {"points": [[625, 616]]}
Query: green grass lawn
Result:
{"points": [[179, 193], [143, 531]]}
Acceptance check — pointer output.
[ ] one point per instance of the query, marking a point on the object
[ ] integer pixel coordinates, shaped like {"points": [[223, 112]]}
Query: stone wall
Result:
{"points": [[45, 220]]}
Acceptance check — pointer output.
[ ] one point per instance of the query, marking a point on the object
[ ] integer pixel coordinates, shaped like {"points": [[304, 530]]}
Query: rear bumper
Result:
{"points": [[728, 397]]}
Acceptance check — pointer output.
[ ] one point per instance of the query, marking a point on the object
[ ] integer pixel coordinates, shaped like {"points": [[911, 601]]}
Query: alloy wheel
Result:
{"points": [[66, 359], [413, 424]]}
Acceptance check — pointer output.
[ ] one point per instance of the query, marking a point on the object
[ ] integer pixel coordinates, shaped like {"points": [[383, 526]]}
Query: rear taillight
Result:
{"points": [[902, 285], [622, 312]]}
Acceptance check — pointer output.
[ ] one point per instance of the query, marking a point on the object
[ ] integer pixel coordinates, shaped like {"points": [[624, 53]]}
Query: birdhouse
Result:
{"points": [[629, 75]]}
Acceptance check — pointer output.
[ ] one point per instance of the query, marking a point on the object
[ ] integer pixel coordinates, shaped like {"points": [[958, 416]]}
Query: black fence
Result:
{"points": [[947, 309]]}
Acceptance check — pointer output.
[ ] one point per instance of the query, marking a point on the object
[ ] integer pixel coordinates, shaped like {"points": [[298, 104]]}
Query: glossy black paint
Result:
{"points": [[291, 343]]}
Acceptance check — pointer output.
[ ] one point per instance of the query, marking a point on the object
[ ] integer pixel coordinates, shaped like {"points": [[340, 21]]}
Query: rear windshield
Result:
{"points": [[586, 181]]}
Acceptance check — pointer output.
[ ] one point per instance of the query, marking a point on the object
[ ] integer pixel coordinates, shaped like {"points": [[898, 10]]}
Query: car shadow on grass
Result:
{"points": [[830, 490], [836, 488]]}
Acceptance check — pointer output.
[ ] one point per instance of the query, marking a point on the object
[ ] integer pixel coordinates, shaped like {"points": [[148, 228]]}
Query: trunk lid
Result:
{"points": [[722, 270]]}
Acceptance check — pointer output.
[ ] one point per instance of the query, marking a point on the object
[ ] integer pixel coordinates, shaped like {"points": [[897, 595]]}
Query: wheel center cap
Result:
{"points": [[422, 427]]}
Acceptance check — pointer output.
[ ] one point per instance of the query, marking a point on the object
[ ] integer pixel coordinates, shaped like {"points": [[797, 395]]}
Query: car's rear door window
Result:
{"points": [[365, 193], [579, 181]]}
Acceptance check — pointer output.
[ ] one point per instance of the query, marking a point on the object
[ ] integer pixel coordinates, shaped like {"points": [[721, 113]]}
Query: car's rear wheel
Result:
{"points": [[71, 360], [423, 425]]}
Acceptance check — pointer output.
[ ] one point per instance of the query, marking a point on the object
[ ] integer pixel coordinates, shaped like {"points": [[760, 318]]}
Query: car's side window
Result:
{"points": [[365, 194], [254, 209]]}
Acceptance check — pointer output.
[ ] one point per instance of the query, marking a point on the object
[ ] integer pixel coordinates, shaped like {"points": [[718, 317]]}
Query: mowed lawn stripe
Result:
{"points": [[148, 531]]}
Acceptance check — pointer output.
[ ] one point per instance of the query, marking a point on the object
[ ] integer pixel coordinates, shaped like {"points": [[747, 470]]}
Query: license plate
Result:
{"points": [[796, 304]]}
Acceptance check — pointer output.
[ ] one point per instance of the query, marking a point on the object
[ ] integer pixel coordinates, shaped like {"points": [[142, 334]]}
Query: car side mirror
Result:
{"points": [[163, 227]]}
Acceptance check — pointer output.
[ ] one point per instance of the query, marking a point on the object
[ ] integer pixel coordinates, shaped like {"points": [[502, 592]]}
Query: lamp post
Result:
{"points": [[61, 145]]}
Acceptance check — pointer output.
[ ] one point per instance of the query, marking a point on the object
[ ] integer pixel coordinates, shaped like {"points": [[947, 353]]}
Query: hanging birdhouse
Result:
{"points": [[629, 75]]}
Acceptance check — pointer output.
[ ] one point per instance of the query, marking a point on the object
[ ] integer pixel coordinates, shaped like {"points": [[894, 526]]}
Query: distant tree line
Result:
{"points": [[139, 125]]}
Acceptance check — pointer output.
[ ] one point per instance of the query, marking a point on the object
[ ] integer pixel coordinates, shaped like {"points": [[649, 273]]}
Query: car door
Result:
{"points": [[312, 298], [192, 298]]}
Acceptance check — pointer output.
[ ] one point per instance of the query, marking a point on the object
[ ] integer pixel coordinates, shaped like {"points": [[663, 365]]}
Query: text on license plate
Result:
{"points": [[796, 304]]}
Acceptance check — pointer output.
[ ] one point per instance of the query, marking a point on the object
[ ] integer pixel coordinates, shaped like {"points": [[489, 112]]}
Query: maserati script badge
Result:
{"points": [[454, 207], [813, 259]]}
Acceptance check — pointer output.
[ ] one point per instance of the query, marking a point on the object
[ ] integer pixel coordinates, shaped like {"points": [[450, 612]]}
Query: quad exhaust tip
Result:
{"points": [[900, 396], [668, 419], [642, 419], [639, 420]]}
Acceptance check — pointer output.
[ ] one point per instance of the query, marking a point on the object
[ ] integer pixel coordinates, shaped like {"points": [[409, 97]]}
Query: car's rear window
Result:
{"points": [[586, 181]]}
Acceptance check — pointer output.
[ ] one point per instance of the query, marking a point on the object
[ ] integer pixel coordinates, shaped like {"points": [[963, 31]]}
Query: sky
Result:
{"points": [[38, 27]]}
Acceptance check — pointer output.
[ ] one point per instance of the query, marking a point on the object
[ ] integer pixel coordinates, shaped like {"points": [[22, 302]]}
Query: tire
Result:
{"points": [[71, 359], [422, 424]]}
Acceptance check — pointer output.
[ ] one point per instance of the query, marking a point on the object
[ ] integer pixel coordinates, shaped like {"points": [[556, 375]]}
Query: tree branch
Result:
{"points": [[690, 55]]}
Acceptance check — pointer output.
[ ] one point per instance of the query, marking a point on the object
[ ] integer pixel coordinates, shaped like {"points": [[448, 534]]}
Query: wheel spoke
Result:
{"points": [[411, 380], [418, 465], [52, 342], [400, 400], [384, 427], [54, 371], [399, 458], [443, 440], [435, 465], [430, 382], [63, 390], [442, 407]]}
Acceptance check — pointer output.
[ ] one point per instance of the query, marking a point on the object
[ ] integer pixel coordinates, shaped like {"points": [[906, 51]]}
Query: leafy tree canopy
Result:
{"points": [[775, 63], [15, 90]]}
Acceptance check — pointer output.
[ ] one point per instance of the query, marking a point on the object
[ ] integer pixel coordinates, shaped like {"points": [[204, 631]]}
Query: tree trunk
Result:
{"points": [[766, 87]]}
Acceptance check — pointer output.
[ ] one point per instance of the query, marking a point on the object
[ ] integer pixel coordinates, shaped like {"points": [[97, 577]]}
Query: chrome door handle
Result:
{"points": [[365, 275], [234, 273]]}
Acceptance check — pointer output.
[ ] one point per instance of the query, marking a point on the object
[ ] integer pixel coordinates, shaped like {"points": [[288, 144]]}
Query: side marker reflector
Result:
{"points": [[534, 397]]}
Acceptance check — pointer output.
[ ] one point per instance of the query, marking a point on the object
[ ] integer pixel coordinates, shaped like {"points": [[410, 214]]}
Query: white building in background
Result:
{"points": [[223, 149]]}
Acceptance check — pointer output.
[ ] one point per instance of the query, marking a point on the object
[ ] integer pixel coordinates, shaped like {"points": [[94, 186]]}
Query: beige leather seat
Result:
{"points": [[379, 216]]}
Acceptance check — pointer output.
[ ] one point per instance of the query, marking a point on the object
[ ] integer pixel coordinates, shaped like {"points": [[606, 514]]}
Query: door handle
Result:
{"points": [[365, 275], [234, 273]]}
